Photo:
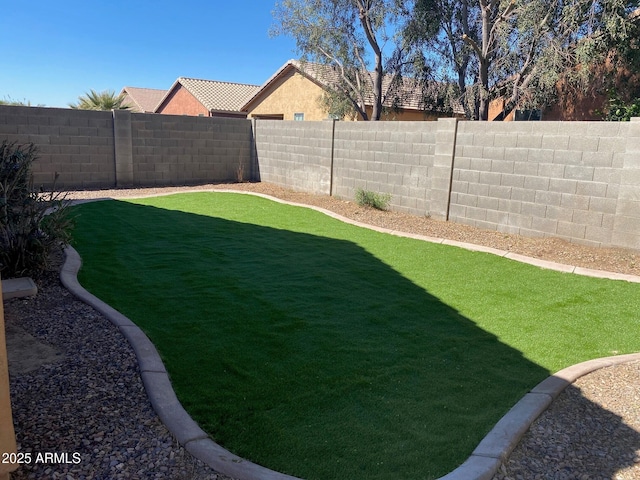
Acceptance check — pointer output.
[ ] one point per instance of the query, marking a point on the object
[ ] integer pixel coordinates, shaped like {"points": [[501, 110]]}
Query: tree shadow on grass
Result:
{"points": [[302, 353]]}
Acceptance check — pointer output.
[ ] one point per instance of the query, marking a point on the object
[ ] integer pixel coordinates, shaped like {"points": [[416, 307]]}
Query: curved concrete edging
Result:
{"points": [[498, 444], [484, 461], [467, 246], [549, 265]]}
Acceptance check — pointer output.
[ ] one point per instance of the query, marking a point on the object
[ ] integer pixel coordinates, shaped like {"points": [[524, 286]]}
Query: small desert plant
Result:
{"points": [[366, 198], [240, 173], [32, 224]]}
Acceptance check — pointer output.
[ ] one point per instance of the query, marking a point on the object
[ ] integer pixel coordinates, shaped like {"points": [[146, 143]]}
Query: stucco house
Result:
{"points": [[294, 92], [206, 98], [142, 100]]}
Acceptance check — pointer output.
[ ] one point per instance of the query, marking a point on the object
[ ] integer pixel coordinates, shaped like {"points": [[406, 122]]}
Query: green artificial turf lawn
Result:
{"points": [[329, 351]]}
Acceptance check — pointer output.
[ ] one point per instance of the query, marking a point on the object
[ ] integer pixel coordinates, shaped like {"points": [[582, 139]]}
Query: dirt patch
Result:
{"points": [[25, 352]]}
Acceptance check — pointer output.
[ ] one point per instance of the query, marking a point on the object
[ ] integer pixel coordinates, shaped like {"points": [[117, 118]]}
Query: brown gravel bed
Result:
{"points": [[98, 405]]}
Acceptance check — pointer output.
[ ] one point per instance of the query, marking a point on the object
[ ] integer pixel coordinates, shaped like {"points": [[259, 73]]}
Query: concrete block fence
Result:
{"points": [[559, 179], [90, 149], [294, 154], [579, 181], [387, 158], [76, 144]]}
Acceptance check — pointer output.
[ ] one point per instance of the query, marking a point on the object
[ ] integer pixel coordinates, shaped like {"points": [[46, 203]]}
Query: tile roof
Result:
{"points": [[143, 99], [217, 96]]}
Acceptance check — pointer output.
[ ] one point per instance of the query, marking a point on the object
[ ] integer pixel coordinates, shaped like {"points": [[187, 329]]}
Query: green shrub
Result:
{"points": [[366, 198], [619, 110], [32, 224]]}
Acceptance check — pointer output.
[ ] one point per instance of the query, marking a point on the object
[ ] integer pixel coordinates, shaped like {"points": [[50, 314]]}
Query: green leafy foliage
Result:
{"points": [[32, 224], [353, 46], [367, 198], [520, 51], [621, 111]]}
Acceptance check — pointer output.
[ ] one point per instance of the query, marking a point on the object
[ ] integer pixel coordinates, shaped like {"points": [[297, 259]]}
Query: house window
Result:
{"points": [[298, 117], [279, 116], [528, 115]]}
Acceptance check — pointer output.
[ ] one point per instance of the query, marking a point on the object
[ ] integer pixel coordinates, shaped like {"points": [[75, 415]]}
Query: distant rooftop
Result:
{"points": [[218, 96], [143, 99]]}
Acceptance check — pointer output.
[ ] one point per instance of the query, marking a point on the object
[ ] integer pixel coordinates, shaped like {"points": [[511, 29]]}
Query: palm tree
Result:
{"points": [[106, 100]]}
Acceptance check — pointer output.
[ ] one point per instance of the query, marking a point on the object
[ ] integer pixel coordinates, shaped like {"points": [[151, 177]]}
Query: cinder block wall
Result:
{"points": [[578, 181], [393, 158], [295, 155], [575, 180], [171, 149], [557, 179], [77, 144], [626, 226], [149, 149]]}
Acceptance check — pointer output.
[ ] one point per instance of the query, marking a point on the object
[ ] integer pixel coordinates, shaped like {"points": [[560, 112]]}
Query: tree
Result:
{"points": [[520, 49], [439, 27], [621, 111], [622, 78], [106, 100], [353, 46], [568, 46]]}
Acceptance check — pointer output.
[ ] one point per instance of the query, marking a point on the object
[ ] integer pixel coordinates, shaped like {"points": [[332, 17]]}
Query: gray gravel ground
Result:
{"points": [[591, 431]]}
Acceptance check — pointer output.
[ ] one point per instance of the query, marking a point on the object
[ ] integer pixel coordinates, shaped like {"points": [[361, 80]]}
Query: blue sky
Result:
{"points": [[55, 51]]}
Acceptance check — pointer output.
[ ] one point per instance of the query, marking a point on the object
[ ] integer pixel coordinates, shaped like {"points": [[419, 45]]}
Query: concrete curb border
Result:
{"points": [[484, 461], [18, 288], [560, 267]]}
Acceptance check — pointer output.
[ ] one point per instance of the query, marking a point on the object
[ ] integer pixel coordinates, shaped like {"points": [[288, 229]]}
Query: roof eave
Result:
{"points": [[166, 95], [287, 66], [132, 99]]}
